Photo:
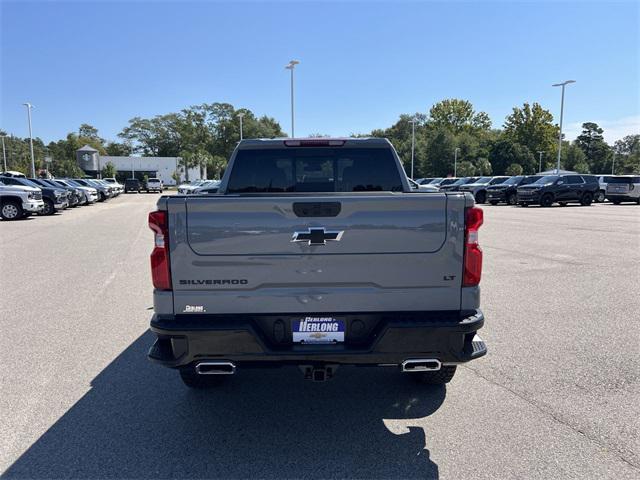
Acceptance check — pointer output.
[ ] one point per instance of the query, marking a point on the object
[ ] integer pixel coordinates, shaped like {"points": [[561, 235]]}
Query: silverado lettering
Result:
{"points": [[234, 281]]}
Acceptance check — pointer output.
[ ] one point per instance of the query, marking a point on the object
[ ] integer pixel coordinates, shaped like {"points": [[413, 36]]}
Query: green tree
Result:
{"points": [[532, 126], [572, 157], [440, 151], [118, 149], [483, 167], [628, 154], [466, 169], [596, 151], [109, 170], [506, 152], [458, 116], [514, 169]]}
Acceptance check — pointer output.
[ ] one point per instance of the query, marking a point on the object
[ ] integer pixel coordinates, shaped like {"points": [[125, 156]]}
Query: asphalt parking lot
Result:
{"points": [[556, 397]]}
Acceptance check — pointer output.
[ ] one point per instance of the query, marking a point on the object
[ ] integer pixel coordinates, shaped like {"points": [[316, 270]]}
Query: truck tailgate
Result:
{"points": [[383, 252]]}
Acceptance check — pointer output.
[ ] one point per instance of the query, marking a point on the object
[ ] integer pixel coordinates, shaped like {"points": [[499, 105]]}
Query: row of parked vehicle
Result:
{"points": [[199, 187], [544, 190], [21, 197]]}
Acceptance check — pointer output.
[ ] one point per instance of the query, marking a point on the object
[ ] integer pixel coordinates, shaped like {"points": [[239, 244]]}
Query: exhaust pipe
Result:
{"points": [[421, 365], [215, 368]]}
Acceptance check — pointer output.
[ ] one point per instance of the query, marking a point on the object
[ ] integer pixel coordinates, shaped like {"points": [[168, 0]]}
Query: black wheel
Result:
{"points": [[11, 210], [562, 204], [599, 196], [512, 199], [191, 379], [523, 204], [48, 209], [616, 202], [481, 196], [440, 377], [102, 197], [493, 202], [586, 199], [546, 200]]}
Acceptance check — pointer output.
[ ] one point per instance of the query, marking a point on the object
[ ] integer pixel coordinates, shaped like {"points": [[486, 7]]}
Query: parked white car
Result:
{"points": [[186, 188], [19, 201]]}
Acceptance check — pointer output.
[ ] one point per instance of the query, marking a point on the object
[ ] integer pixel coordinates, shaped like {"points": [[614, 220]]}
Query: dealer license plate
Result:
{"points": [[318, 330]]}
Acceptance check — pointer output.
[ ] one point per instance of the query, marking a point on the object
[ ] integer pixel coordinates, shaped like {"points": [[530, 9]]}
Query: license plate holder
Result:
{"points": [[318, 330]]}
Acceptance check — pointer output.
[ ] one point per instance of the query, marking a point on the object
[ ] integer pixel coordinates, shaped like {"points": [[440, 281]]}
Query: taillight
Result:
{"points": [[160, 271], [472, 268]]}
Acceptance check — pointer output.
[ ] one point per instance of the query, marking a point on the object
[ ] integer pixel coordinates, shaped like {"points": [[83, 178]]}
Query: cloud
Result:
{"points": [[613, 129]]}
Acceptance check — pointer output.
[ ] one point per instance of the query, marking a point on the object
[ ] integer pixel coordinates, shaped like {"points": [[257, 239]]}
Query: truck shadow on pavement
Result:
{"points": [[139, 421]]}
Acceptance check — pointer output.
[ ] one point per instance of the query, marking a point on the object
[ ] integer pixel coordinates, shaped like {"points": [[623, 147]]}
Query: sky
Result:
{"points": [[362, 64]]}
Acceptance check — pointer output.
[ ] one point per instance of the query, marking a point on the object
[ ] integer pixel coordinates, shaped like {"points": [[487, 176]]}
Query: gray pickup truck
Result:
{"points": [[316, 253]]}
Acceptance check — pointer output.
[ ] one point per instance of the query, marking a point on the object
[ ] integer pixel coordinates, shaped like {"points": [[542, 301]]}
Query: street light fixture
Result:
{"points": [[240, 115], [563, 84], [455, 162], [540, 155], [413, 143], [33, 162], [290, 66]]}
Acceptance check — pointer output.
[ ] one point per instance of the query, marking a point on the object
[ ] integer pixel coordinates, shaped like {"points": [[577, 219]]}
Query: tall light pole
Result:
{"points": [[290, 67], [563, 84], [4, 154], [413, 143], [613, 164], [540, 155], [240, 115], [33, 162], [455, 162]]}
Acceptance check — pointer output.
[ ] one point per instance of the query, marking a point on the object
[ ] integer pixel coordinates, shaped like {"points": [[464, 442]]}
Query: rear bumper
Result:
{"points": [[390, 340], [621, 197]]}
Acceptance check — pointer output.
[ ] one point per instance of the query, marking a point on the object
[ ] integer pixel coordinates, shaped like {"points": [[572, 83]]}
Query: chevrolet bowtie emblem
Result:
{"points": [[317, 236]]}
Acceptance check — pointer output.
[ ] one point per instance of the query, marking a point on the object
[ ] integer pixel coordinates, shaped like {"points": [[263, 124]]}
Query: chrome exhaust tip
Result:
{"points": [[215, 368], [421, 365]]}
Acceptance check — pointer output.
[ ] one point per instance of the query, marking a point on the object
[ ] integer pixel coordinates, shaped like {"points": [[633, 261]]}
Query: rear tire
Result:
{"points": [[481, 196], [11, 210], [586, 199], [546, 200], [440, 377], [193, 380], [599, 196], [512, 199], [493, 202], [616, 202], [562, 204]]}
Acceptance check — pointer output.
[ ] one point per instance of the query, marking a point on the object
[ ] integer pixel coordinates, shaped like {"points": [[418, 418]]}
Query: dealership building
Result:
{"points": [[91, 162]]}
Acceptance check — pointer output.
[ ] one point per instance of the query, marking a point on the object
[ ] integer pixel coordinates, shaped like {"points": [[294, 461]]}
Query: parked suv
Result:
{"points": [[562, 189], [507, 191], [74, 195], [623, 188], [132, 185], [479, 187]]}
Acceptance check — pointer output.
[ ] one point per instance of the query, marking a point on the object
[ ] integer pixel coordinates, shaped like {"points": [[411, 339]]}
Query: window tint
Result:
{"points": [[623, 179], [573, 179], [314, 170], [590, 179], [530, 179]]}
